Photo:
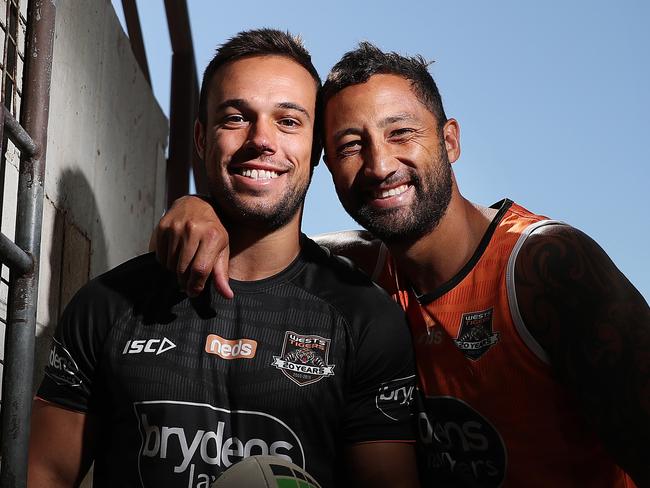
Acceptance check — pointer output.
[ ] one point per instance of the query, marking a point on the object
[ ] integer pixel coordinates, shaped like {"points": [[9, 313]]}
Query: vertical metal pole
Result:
{"points": [[183, 106], [181, 123], [21, 324], [183, 101], [132, 18]]}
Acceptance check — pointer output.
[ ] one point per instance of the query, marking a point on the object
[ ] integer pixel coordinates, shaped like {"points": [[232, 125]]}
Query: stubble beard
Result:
{"points": [[262, 216], [408, 224]]}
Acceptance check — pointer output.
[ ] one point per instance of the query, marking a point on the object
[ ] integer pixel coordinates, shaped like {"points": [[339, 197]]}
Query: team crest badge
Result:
{"points": [[304, 358], [476, 336]]}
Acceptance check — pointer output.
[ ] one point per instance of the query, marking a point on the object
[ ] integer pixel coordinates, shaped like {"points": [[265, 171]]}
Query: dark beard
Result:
{"points": [[265, 219], [408, 224]]}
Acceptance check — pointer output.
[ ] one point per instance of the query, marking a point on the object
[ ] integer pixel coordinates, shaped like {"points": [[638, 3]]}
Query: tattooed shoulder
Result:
{"points": [[595, 327]]}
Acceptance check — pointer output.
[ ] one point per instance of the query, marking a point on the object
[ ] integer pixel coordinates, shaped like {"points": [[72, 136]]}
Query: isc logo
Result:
{"points": [[155, 346], [230, 349]]}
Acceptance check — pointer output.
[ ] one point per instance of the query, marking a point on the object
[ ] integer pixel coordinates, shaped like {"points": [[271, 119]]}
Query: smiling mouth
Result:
{"points": [[382, 194], [256, 174]]}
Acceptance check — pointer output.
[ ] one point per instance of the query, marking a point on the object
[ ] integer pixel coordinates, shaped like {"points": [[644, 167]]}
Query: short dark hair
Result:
{"points": [[358, 65], [262, 42], [255, 42]]}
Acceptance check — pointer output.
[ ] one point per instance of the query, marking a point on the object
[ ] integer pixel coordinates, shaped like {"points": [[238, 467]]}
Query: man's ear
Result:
{"points": [[451, 135], [199, 138]]}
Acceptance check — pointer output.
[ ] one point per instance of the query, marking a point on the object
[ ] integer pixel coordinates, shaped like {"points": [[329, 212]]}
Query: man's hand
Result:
{"points": [[191, 241]]}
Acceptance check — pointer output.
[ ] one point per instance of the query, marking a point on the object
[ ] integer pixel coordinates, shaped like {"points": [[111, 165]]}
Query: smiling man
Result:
{"points": [[532, 347], [163, 390]]}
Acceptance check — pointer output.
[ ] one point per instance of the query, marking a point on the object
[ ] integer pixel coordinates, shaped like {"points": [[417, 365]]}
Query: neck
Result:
{"points": [[437, 257], [255, 254]]}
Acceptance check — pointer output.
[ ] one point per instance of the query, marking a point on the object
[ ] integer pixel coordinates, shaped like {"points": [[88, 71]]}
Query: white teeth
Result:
{"points": [[258, 174], [393, 191]]}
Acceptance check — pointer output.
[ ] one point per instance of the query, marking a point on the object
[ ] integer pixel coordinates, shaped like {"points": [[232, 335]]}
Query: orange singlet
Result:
{"points": [[491, 412]]}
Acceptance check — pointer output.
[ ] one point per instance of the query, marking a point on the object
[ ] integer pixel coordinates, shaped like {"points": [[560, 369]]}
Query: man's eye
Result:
{"points": [[289, 122], [402, 132], [233, 119], [348, 148]]}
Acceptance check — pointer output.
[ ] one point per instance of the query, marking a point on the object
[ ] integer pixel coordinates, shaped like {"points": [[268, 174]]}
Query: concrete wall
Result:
{"points": [[105, 173], [105, 176]]}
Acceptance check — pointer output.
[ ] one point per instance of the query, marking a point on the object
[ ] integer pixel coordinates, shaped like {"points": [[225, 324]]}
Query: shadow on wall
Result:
{"points": [[72, 250]]}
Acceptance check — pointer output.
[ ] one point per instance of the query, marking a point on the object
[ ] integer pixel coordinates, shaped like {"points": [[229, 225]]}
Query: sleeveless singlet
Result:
{"points": [[491, 413]]}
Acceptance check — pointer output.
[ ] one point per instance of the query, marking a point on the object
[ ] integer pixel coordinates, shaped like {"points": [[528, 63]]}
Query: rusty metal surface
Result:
{"points": [[23, 291], [18, 135], [183, 101], [178, 21], [181, 118], [183, 106], [11, 255], [132, 18]]}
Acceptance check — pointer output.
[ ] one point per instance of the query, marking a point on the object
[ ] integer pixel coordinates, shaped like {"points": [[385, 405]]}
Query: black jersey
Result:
{"points": [[296, 365]]}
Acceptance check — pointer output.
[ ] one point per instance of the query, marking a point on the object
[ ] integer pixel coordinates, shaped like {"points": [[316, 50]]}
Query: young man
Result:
{"points": [[532, 348], [163, 390]]}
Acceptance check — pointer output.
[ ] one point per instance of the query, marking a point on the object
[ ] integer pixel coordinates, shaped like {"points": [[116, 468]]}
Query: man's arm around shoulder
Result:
{"points": [[359, 246], [191, 241]]}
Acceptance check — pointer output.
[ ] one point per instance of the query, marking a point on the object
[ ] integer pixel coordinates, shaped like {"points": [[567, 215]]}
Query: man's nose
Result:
{"points": [[261, 136], [379, 163]]}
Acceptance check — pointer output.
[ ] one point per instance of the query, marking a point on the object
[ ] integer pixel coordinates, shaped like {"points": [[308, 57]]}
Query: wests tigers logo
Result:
{"points": [[304, 358], [476, 336]]}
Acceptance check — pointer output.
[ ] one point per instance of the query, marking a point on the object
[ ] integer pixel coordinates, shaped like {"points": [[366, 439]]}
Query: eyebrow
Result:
{"points": [[294, 106], [346, 132], [396, 118], [382, 125], [232, 102], [241, 104]]}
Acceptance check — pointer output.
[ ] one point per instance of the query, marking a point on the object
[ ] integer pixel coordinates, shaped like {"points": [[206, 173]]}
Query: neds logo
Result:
{"points": [[230, 349]]}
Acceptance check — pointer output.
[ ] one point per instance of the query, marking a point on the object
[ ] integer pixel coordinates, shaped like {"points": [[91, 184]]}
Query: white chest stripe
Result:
{"points": [[381, 262], [523, 331]]}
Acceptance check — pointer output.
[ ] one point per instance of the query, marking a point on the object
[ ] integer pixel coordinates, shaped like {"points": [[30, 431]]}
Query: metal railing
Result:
{"points": [[30, 137], [184, 95], [22, 256]]}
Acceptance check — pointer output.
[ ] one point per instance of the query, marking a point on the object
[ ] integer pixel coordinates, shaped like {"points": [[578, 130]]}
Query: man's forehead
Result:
{"points": [[387, 98], [269, 68], [379, 90], [262, 82]]}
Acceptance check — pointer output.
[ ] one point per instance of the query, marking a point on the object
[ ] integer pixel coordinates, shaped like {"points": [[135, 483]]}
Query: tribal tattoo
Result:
{"points": [[595, 327]]}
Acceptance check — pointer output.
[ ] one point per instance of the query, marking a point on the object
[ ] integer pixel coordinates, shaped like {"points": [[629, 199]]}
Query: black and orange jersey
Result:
{"points": [[491, 412], [296, 365]]}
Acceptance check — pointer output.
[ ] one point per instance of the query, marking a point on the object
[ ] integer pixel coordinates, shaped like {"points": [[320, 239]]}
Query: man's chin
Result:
{"points": [[265, 219], [380, 223], [392, 225]]}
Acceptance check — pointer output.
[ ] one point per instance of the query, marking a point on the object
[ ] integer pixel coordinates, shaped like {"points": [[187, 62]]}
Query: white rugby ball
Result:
{"points": [[265, 472]]}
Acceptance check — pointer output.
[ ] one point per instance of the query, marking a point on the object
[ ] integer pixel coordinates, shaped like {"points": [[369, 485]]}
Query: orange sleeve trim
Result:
{"points": [[385, 441], [57, 405]]}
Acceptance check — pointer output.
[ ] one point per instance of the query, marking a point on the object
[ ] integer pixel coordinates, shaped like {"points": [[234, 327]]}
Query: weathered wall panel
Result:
{"points": [[104, 180], [105, 173]]}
